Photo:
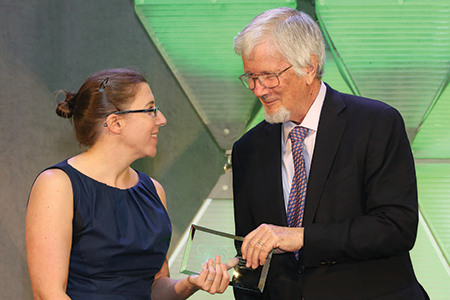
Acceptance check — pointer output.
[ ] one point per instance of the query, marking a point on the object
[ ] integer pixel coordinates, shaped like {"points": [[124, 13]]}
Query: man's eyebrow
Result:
{"points": [[262, 73]]}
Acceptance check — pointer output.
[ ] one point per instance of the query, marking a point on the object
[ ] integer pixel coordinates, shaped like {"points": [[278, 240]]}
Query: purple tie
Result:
{"points": [[296, 204]]}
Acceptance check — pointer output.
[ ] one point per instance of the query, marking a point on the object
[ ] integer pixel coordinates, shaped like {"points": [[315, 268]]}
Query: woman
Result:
{"points": [[95, 227]]}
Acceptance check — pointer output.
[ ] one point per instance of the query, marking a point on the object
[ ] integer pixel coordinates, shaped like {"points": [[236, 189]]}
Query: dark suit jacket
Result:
{"points": [[361, 212]]}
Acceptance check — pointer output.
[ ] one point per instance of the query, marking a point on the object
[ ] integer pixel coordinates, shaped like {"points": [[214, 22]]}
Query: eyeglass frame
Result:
{"points": [[257, 77], [120, 112]]}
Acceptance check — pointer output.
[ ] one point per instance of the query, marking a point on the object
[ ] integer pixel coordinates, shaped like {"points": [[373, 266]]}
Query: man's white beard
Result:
{"points": [[281, 115]]}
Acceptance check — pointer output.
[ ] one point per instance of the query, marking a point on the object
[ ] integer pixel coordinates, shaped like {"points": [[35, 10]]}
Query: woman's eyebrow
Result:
{"points": [[150, 103]]}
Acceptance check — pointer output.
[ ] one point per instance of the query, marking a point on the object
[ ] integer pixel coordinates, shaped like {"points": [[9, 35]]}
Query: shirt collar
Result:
{"points": [[311, 120]]}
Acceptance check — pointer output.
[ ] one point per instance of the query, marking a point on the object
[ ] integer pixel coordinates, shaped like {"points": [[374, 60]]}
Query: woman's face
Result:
{"points": [[140, 130]]}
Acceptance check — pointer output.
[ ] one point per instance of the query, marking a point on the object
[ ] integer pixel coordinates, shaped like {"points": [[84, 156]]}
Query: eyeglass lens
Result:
{"points": [[269, 81]]}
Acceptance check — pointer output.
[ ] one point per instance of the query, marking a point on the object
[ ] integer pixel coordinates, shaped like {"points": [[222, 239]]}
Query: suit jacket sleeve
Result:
{"points": [[257, 188]]}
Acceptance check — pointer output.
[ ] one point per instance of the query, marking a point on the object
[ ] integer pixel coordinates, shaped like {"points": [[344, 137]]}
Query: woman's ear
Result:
{"points": [[113, 123]]}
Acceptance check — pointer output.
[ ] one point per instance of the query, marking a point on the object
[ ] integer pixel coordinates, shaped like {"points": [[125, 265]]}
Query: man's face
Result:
{"points": [[287, 102]]}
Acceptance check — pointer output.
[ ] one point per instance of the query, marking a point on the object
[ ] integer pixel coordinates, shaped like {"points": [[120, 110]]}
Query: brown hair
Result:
{"points": [[101, 94]]}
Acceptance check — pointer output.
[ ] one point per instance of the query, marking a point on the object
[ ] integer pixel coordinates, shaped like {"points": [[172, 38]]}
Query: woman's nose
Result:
{"points": [[160, 119]]}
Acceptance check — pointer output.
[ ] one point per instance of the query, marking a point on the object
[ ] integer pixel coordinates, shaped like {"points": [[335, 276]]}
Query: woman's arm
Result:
{"points": [[49, 234], [214, 277]]}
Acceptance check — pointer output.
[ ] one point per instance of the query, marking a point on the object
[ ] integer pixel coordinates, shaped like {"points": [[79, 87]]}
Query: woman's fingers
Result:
{"points": [[226, 277], [216, 273], [232, 263], [214, 277]]}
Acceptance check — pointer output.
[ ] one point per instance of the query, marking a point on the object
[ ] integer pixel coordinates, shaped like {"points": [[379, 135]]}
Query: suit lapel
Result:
{"points": [[329, 134], [271, 179]]}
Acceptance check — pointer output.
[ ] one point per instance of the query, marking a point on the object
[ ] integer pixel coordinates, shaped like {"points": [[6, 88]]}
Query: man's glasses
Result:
{"points": [[269, 80], [152, 111]]}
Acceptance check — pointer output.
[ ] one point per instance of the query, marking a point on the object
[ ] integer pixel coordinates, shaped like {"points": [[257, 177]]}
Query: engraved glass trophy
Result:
{"points": [[205, 243]]}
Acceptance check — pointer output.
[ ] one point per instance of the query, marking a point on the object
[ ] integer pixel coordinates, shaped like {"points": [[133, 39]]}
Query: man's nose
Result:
{"points": [[259, 90]]}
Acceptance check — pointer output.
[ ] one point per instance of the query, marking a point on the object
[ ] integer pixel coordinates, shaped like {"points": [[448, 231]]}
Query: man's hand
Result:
{"points": [[258, 243]]}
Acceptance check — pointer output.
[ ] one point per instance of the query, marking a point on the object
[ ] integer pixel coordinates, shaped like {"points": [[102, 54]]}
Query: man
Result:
{"points": [[358, 218]]}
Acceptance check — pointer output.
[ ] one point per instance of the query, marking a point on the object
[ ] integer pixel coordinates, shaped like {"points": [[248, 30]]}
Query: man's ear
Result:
{"points": [[113, 123], [312, 69]]}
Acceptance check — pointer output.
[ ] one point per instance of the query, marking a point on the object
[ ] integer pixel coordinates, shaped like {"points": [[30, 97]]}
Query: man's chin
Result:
{"points": [[281, 115]]}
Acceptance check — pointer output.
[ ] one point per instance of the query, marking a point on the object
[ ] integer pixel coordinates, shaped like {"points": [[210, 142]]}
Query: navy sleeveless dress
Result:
{"points": [[120, 238]]}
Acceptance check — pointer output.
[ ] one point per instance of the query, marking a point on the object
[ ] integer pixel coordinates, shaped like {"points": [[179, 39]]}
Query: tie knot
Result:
{"points": [[298, 134]]}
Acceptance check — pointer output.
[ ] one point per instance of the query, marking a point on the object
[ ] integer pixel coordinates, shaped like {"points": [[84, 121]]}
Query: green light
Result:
{"points": [[196, 40], [433, 139], [394, 51]]}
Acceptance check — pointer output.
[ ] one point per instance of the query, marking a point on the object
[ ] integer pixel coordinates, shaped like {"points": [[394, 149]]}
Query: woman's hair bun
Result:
{"points": [[65, 108]]}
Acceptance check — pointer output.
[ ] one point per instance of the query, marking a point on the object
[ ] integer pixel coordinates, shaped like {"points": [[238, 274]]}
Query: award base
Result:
{"points": [[205, 243]]}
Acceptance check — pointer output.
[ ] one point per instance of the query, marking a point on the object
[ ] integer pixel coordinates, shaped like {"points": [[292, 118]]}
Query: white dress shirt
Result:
{"points": [[311, 121]]}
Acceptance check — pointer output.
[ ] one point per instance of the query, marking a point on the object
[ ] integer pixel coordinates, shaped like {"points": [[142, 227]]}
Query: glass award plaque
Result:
{"points": [[205, 243]]}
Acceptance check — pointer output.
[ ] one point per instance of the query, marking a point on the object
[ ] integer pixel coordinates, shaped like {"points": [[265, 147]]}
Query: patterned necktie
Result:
{"points": [[296, 204]]}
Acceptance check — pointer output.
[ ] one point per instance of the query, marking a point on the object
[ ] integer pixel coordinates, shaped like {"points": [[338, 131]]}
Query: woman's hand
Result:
{"points": [[214, 277]]}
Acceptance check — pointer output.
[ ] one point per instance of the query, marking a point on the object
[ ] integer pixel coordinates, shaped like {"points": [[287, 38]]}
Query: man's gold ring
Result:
{"points": [[261, 244], [209, 279]]}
